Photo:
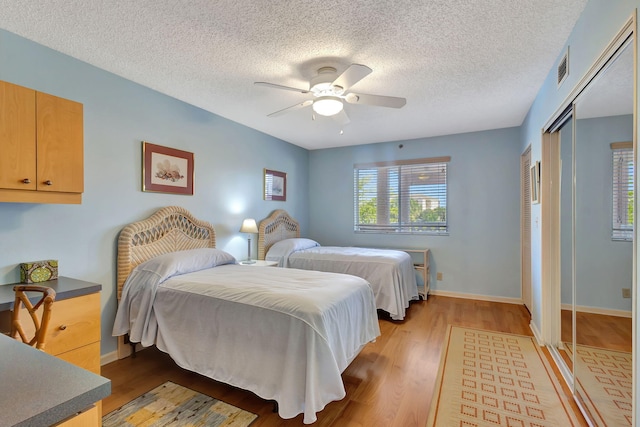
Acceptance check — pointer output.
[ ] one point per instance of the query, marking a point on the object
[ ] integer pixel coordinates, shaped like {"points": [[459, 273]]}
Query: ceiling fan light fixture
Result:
{"points": [[327, 105]]}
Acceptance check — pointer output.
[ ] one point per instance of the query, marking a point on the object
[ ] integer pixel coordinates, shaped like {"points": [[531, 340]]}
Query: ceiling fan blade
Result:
{"points": [[292, 108], [381, 101], [341, 117], [275, 86], [352, 75]]}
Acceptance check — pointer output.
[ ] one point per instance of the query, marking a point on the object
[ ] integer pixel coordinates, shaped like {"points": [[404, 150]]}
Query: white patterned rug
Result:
{"points": [[605, 379], [494, 379]]}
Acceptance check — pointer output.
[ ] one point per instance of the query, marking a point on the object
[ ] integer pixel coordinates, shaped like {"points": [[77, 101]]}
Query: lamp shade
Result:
{"points": [[327, 105], [249, 226]]}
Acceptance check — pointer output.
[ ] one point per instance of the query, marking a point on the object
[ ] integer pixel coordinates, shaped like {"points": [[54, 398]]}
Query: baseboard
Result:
{"points": [[536, 334], [598, 310], [108, 358], [476, 297], [113, 356]]}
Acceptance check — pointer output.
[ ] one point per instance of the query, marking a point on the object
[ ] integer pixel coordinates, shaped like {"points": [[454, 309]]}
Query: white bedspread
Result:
{"points": [[284, 334], [390, 272]]}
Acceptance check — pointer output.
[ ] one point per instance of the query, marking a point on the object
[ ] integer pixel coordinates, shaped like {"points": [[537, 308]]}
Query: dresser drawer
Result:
{"points": [[75, 322], [86, 357], [88, 418]]}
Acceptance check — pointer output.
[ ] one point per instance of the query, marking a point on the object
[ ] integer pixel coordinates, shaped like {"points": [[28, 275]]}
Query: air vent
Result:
{"points": [[563, 67]]}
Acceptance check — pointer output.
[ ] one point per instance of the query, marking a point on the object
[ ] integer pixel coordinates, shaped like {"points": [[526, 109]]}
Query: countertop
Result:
{"points": [[65, 287], [38, 389]]}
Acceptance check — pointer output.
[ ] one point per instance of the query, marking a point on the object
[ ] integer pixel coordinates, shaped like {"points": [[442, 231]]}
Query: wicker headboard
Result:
{"points": [[170, 229], [277, 226]]}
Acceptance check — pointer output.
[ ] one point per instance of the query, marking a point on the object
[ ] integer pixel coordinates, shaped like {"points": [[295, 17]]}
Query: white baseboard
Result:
{"points": [[536, 334], [108, 358], [598, 310], [476, 297]]}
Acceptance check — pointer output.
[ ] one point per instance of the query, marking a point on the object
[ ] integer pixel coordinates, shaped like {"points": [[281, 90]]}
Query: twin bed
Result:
{"points": [[284, 334], [389, 272]]}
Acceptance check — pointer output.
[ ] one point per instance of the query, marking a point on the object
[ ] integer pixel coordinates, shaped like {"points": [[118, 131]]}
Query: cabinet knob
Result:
{"points": [[48, 182], [26, 181], [63, 327]]}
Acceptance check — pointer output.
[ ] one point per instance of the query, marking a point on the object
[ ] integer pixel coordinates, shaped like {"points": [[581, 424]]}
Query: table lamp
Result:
{"points": [[249, 226]]}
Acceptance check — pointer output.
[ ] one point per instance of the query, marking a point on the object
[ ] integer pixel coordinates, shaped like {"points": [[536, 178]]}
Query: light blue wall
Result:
{"points": [[118, 115], [600, 21], [481, 254]]}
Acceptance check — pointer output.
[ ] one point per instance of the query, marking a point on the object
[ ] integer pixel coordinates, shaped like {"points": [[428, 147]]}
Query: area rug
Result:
{"points": [[605, 379], [174, 405], [494, 379]]}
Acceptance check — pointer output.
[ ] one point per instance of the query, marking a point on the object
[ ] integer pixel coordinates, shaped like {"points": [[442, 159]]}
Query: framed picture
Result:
{"points": [[166, 170], [275, 185], [534, 179]]}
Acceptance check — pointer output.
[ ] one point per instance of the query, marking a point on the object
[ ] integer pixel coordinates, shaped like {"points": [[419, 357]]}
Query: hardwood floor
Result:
{"points": [[390, 383]]}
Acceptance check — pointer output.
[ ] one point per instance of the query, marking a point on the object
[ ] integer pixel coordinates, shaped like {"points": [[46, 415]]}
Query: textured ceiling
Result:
{"points": [[462, 65]]}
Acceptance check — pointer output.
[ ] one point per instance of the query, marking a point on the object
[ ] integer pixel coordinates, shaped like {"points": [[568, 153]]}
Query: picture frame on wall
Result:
{"points": [[534, 179], [166, 170], [275, 185]]}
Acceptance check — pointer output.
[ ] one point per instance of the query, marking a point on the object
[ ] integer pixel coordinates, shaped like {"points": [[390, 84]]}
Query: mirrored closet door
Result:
{"points": [[588, 217], [602, 228]]}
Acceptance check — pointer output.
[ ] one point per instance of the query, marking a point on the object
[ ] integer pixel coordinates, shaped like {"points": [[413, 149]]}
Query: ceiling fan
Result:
{"points": [[329, 90]]}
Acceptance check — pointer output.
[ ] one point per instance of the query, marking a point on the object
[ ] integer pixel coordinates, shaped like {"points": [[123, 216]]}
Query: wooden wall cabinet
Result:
{"points": [[42, 146]]}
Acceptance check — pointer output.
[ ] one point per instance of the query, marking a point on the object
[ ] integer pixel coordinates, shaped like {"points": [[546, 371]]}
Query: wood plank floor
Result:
{"points": [[390, 383]]}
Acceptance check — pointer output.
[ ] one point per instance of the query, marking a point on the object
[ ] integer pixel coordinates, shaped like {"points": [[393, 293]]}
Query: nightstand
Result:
{"points": [[421, 265], [261, 263]]}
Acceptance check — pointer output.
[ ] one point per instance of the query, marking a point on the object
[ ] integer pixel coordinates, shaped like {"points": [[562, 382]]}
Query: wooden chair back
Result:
{"points": [[41, 324]]}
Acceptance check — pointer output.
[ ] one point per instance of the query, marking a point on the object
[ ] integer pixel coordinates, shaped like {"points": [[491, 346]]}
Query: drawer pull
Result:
{"points": [[48, 182], [63, 327], [26, 181]]}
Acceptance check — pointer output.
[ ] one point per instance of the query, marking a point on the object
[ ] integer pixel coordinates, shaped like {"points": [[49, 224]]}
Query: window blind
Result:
{"points": [[401, 197], [623, 191]]}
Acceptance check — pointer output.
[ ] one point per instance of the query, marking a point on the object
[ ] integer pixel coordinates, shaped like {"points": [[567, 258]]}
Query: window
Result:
{"points": [[622, 191], [401, 197]]}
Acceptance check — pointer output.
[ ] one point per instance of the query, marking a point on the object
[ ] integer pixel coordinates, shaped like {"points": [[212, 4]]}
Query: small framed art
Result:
{"points": [[275, 185], [534, 178], [166, 170]]}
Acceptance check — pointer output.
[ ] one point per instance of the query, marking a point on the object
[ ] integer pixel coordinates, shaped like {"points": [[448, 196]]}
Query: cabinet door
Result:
{"points": [[60, 137], [17, 137]]}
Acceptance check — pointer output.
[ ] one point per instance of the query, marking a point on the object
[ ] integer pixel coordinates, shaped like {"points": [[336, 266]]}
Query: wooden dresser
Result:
{"points": [[74, 329]]}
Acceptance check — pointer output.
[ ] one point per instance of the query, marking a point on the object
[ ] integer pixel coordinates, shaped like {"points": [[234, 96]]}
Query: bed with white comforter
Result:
{"points": [[389, 272], [284, 334]]}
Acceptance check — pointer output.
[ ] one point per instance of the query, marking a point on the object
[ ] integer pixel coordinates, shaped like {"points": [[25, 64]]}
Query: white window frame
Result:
{"points": [[622, 179], [395, 183]]}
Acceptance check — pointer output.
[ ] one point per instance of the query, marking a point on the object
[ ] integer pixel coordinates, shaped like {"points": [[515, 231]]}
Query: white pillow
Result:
{"points": [[182, 262], [281, 250]]}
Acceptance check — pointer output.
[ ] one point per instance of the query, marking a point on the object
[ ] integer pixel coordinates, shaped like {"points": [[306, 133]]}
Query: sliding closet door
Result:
{"points": [[603, 249]]}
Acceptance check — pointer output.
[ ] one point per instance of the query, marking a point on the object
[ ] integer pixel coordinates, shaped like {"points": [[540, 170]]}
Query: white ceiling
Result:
{"points": [[462, 65]]}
